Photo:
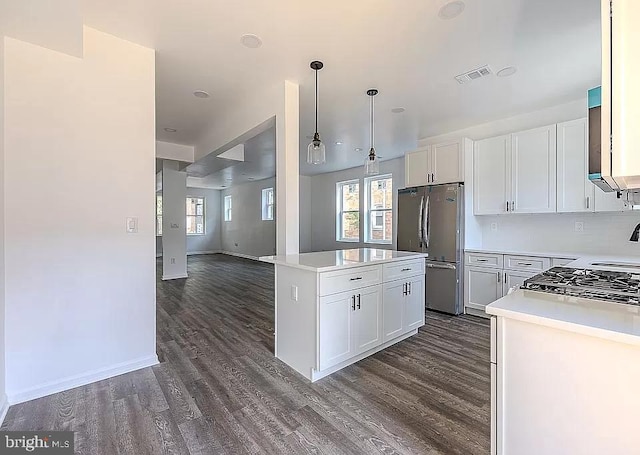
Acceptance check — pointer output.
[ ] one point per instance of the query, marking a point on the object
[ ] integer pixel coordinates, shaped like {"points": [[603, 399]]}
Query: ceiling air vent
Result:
{"points": [[474, 74]]}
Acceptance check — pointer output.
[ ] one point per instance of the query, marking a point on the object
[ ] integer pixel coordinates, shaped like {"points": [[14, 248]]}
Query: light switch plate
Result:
{"points": [[494, 227], [294, 293], [132, 225], [579, 226]]}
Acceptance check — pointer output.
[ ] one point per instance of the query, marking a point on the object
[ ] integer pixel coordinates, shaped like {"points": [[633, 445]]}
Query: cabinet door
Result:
{"points": [[575, 191], [482, 287], [393, 309], [367, 319], [515, 279], [533, 170], [490, 172], [608, 202], [414, 304], [417, 167], [447, 162], [336, 328]]}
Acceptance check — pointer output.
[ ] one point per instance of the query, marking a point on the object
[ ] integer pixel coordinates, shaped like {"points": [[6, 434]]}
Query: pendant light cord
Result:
{"points": [[372, 122], [316, 102]]}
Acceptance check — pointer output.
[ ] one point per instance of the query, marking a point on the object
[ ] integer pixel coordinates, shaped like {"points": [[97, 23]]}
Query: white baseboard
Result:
{"points": [[240, 255], [80, 380], [4, 407], [174, 277], [192, 253]]}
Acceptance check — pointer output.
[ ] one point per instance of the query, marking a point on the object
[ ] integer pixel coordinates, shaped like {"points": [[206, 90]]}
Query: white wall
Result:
{"points": [[323, 205], [174, 222], [79, 290], [603, 232], [3, 396], [305, 213], [246, 233], [176, 152]]}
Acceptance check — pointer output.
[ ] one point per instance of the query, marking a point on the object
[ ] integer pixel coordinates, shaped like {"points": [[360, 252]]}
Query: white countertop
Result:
{"points": [[539, 254], [612, 321], [324, 261]]}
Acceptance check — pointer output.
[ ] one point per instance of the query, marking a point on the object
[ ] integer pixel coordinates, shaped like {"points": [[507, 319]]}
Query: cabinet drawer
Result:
{"points": [[484, 260], [402, 269], [560, 262], [526, 263], [346, 280]]}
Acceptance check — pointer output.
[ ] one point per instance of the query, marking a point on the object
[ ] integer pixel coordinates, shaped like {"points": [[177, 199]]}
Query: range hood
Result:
{"points": [[620, 107]]}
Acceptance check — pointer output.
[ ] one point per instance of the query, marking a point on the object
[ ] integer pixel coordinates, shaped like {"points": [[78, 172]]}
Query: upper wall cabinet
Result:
{"points": [[436, 164], [491, 158], [515, 173], [533, 171], [576, 193]]}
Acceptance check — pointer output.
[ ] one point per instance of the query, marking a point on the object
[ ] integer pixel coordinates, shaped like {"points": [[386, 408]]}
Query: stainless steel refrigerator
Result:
{"points": [[431, 220]]}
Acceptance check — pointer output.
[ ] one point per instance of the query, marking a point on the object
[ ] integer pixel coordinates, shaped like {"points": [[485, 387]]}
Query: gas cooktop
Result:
{"points": [[619, 287]]}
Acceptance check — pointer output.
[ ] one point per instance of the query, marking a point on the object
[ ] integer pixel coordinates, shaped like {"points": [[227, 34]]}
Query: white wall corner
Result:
{"points": [[175, 152]]}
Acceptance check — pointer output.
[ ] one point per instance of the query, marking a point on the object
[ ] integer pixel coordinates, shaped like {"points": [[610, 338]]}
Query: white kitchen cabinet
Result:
{"points": [[608, 202], [417, 167], [366, 318], [491, 159], [482, 286], [413, 314], [533, 171], [447, 162], [512, 279], [436, 164], [576, 193], [403, 306], [336, 326]]}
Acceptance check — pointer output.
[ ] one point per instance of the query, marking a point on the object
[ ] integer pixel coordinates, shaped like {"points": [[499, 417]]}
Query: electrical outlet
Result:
{"points": [[494, 227], [173, 260], [579, 226]]}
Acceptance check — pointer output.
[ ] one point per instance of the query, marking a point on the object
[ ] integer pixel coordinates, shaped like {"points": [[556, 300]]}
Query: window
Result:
{"points": [[267, 204], [227, 208], [195, 216], [159, 214], [348, 220], [379, 209]]}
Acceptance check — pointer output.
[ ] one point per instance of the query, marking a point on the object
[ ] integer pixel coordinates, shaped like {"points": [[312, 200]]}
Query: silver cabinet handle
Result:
{"points": [[406, 269], [358, 301], [353, 303], [528, 264], [505, 277], [433, 177], [482, 260], [513, 206], [409, 288], [588, 200], [355, 279], [507, 206], [499, 274]]}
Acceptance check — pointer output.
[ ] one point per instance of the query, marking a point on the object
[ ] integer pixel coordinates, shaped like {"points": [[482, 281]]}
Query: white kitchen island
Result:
{"points": [[565, 375], [334, 308]]}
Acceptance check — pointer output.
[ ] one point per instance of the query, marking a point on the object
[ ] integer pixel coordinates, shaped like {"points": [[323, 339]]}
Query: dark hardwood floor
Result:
{"points": [[218, 388]]}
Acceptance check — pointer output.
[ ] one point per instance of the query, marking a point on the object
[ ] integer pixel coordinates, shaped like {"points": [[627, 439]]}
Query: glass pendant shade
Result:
{"points": [[316, 152], [372, 164]]}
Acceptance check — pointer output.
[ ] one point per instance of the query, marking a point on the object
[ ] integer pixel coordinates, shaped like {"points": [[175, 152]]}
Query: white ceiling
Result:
{"points": [[401, 47]]}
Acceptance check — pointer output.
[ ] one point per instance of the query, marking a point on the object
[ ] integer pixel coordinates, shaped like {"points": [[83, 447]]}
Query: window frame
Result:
{"points": [[227, 210], [266, 205], [370, 212], [204, 215], [340, 212]]}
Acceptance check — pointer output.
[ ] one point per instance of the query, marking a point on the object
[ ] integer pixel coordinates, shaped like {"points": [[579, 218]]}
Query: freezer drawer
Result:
{"points": [[443, 291]]}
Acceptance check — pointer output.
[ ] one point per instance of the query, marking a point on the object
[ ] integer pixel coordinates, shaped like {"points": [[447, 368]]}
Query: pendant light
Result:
{"points": [[372, 163], [316, 152]]}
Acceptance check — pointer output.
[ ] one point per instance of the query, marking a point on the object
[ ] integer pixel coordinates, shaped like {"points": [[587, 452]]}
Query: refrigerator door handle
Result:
{"points": [[420, 228], [426, 222]]}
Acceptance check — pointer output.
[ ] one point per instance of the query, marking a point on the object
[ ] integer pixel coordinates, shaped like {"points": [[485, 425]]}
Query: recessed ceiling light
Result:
{"points": [[200, 94], [338, 143], [170, 130], [357, 149], [251, 41], [451, 10], [397, 110], [508, 71]]}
